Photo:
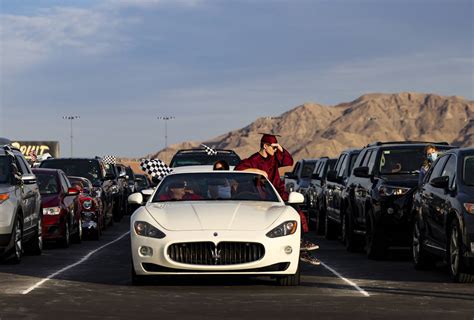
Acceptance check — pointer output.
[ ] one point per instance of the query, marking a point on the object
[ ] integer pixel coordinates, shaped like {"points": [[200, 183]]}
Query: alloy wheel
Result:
{"points": [[18, 241], [454, 251]]}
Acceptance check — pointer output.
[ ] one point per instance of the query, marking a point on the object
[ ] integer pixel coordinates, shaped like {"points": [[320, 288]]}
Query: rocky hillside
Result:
{"points": [[313, 130]]}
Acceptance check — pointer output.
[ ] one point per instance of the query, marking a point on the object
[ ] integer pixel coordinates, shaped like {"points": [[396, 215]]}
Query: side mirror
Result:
{"points": [[362, 172], [440, 182], [135, 198], [72, 192], [147, 192], [332, 176], [295, 198], [28, 178]]}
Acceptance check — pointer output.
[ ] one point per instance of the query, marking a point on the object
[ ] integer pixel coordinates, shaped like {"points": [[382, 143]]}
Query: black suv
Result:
{"points": [[316, 201], [92, 169], [199, 157], [335, 192], [380, 193], [118, 175], [444, 215], [20, 205]]}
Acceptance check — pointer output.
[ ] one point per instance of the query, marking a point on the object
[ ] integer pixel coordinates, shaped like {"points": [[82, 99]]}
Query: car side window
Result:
{"points": [[26, 165], [295, 170], [339, 162], [438, 168], [365, 162], [340, 173], [63, 183], [21, 165], [450, 169], [360, 158], [371, 163]]}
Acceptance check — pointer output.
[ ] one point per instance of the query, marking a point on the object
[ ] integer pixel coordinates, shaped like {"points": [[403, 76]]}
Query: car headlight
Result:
{"points": [[87, 204], [51, 211], [284, 229], [392, 191], [4, 197], [145, 229], [469, 207]]}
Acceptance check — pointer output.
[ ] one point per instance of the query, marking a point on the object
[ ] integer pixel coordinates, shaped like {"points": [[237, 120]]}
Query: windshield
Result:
{"points": [[47, 183], [4, 169], [215, 186], [89, 169], [199, 159], [141, 181], [308, 169], [468, 176], [401, 161]]}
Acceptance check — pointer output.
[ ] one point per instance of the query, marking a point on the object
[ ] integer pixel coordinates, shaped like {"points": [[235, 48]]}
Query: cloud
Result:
{"points": [[153, 3]]}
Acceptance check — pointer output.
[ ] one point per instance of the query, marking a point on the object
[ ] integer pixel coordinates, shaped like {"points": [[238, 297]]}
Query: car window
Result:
{"points": [[21, 165], [64, 185], [215, 187], [296, 168], [371, 163], [89, 169], [450, 170], [202, 159], [360, 158], [25, 165], [468, 171], [47, 183], [307, 169], [5, 169], [438, 168], [318, 167], [340, 172], [365, 161], [401, 160], [339, 162], [353, 160]]}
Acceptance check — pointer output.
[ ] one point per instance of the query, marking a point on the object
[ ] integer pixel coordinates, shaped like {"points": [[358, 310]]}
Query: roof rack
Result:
{"points": [[204, 150], [380, 143]]}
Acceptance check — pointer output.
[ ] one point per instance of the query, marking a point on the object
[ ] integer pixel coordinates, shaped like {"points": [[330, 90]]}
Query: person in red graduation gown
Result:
{"points": [[267, 161]]}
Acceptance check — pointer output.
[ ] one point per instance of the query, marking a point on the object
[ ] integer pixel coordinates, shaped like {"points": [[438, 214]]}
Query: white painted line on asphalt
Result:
{"points": [[362, 291], [51, 276]]}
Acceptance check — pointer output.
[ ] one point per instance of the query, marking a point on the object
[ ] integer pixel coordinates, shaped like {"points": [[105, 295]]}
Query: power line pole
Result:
{"points": [[166, 119], [70, 118]]}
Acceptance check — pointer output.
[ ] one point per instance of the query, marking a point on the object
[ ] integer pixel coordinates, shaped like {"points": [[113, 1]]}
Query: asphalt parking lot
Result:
{"points": [[92, 281]]}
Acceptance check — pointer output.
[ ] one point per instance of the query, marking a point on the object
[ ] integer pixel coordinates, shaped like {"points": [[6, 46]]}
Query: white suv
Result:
{"points": [[20, 206]]}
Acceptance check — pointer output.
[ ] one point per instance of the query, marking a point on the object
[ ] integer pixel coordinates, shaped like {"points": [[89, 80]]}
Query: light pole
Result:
{"points": [[166, 119], [70, 118]]}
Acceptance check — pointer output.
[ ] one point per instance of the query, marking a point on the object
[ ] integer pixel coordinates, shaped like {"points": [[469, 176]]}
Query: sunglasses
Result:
{"points": [[273, 147]]}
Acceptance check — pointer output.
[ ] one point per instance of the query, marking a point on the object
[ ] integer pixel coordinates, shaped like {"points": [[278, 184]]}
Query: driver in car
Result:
{"points": [[177, 192]]}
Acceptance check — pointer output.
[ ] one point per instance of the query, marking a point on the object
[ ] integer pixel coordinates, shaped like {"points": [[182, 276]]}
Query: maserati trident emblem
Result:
{"points": [[216, 255], [215, 234]]}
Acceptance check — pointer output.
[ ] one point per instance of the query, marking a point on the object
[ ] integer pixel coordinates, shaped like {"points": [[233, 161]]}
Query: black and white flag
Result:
{"points": [[155, 168], [109, 159], [209, 151]]}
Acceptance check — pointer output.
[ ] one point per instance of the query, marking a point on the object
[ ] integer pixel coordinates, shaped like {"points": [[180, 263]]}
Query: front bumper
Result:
{"points": [[275, 261], [53, 227], [90, 220]]}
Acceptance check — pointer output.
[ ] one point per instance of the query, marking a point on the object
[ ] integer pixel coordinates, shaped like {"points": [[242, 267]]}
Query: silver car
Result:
{"points": [[20, 205]]}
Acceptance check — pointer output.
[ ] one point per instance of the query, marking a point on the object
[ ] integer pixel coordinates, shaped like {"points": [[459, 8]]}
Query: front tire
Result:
{"points": [[421, 259], [35, 245], [66, 240], [78, 235], [137, 280], [455, 256], [374, 239], [290, 280], [17, 242], [331, 229]]}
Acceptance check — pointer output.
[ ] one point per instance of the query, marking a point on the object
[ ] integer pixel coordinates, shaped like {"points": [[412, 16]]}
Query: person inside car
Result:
{"points": [[177, 192], [221, 165], [266, 162], [431, 154]]}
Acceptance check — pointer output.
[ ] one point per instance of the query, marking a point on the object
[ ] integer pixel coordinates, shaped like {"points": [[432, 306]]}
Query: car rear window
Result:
{"points": [[4, 169], [199, 159], [468, 176], [47, 183], [89, 169]]}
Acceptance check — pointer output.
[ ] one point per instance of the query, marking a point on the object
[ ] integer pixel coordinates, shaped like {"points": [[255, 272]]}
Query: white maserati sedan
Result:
{"points": [[216, 223]]}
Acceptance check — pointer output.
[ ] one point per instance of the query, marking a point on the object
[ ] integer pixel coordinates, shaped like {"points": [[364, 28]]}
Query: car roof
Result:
{"points": [[461, 151], [44, 170], [406, 143], [203, 151]]}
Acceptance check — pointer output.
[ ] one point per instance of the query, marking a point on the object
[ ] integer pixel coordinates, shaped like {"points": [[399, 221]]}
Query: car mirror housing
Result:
{"points": [[440, 182], [135, 198], [295, 198], [147, 192], [28, 178], [72, 192], [362, 172]]}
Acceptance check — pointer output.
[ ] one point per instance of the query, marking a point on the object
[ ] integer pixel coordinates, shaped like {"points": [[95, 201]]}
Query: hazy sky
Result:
{"points": [[214, 65]]}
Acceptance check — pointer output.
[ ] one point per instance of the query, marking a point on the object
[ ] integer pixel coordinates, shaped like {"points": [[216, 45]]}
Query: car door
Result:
{"points": [[68, 201], [338, 187], [330, 188], [359, 190], [29, 195], [427, 199]]}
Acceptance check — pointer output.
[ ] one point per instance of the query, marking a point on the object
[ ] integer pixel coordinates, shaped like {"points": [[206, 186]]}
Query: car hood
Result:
{"points": [[202, 168], [49, 200], [213, 215], [405, 180]]}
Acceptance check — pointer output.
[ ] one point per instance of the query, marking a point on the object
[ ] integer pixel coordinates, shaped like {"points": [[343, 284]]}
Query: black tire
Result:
{"points": [[136, 279], [457, 270], [331, 229], [320, 221], [95, 235], [290, 280], [17, 234], [77, 237], [35, 245], [65, 242], [421, 259], [347, 233], [374, 238]]}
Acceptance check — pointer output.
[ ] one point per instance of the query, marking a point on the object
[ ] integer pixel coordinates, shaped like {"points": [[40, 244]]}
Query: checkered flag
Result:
{"points": [[155, 168], [209, 151], [109, 159]]}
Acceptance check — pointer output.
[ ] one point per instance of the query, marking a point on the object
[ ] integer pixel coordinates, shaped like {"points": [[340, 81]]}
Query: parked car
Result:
{"points": [[132, 183], [380, 195], [254, 232], [62, 221], [201, 159], [20, 206], [125, 186], [298, 180], [91, 208], [119, 189], [315, 197], [92, 169], [335, 192], [444, 215], [143, 182]]}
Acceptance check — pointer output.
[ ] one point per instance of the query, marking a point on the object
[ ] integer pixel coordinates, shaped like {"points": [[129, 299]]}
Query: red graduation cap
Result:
{"points": [[269, 138]]}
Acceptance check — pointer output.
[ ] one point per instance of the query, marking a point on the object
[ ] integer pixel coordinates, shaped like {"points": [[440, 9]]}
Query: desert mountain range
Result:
{"points": [[313, 130]]}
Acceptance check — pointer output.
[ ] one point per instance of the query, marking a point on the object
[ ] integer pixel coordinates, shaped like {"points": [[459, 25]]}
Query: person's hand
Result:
{"points": [[278, 146], [397, 168]]}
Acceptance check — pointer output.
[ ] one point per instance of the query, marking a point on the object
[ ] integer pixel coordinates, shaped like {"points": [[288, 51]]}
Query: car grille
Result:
{"points": [[207, 253]]}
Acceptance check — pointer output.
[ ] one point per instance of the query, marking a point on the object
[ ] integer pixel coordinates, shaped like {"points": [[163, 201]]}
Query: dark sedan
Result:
{"points": [[444, 210]]}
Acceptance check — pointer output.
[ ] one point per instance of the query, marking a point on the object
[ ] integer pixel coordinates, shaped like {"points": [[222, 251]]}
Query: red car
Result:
{"points": [[91, 208], [61, 219]]}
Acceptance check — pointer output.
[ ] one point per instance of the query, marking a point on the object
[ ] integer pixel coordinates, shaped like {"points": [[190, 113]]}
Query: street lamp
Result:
{"points": [[166, 119], [71, 118]]}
